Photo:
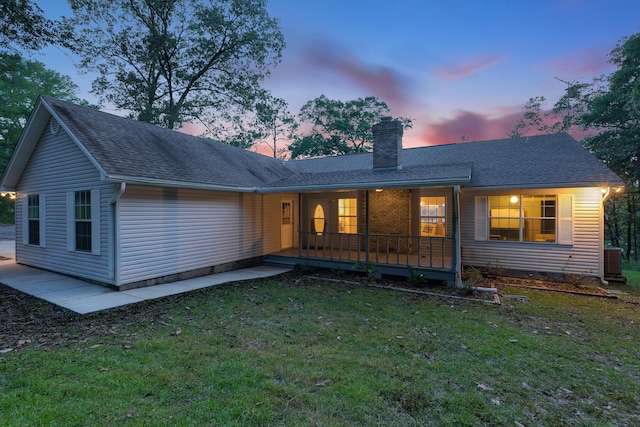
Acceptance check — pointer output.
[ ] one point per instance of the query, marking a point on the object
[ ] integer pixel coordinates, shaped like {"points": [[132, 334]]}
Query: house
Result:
{"points": [[128, 204]]}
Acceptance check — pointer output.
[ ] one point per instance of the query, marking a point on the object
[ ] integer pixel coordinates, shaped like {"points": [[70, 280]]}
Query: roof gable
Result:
{"points": [[129, 150]]}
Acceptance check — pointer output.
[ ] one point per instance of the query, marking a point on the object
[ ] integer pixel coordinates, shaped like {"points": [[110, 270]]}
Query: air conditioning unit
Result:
{"points": [[612, 262]]}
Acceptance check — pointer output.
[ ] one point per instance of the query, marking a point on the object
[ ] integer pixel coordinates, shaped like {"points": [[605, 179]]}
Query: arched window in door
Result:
{"points": [[319, 220]]}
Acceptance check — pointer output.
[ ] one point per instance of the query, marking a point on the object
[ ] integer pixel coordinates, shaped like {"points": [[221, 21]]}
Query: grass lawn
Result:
{"points": [[633, 277], [291, 351]]}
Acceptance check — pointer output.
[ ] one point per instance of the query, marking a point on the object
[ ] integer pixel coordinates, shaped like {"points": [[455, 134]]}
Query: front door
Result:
{"points": [[286, 224]]}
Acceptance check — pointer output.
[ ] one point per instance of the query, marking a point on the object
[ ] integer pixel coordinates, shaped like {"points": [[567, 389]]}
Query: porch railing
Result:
{"points": [[391, 249]]}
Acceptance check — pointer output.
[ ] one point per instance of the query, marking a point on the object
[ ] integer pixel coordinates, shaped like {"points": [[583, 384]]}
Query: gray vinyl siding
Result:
{"points": [[164, 231], [57, 167], [580, 258]]}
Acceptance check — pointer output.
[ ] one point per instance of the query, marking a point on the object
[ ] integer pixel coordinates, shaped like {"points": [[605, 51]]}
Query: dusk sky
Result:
{"points": [[456, 67]]}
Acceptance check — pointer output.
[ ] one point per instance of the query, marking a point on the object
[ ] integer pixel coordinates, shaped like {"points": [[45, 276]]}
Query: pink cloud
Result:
{"points": [[382, 82], [472, 126], [589, 62], [478, 127], [459, 70]]}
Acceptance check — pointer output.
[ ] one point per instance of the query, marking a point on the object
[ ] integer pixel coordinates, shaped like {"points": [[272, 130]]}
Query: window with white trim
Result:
{"points": [[523, 218], [433, 210], [83, 221], [348, 216], [82, 209], [33, 218]]}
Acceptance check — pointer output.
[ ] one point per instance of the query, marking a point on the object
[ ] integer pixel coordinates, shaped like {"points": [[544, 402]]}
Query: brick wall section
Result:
{"points": [[387, 144], [390, 213]]}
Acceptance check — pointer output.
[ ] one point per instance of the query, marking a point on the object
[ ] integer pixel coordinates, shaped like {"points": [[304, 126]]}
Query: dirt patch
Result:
{"points": [[416, 286], [566, 287], [28, 322]]}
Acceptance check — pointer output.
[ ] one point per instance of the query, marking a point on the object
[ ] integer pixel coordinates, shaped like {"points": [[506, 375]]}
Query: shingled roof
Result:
{"points": [[541, 161], [135, 152], [130, 150]]}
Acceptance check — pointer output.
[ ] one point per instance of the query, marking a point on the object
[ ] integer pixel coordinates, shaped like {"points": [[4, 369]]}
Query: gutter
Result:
{"points": [[287, 189], [116, 197]]}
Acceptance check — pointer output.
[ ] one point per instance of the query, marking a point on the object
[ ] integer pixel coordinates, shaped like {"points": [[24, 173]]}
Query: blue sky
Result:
{"points": [[456, 67]]}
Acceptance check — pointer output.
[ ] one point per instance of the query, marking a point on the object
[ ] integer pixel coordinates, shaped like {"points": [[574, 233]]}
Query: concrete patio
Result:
{"points": [[83, 297]]}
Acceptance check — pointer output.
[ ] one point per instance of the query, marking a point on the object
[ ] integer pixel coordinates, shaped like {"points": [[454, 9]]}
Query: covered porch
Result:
{"points": [[401, 232]]}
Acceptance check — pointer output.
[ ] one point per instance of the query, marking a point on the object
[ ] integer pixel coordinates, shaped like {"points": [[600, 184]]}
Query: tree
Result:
{"points": [[336, 127], [276, 123], [613, 113], [267, 122], [563, 117], [570, 107], [21, 81], [23, 26], [613, 116], [533, 117], [167, 61], [20, 85]]}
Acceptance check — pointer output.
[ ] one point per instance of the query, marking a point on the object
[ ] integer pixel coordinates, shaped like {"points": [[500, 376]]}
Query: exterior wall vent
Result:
{"points": [[54, 126]]}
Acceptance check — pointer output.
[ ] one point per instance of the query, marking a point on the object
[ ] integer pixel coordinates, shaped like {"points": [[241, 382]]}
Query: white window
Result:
{"points": [[33, 216], [82, 217], [83, 221], [523, 218], [433, 210], [348, 216], [34, 220]]}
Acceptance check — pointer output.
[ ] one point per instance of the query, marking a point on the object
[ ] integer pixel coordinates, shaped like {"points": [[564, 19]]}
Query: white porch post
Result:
{"points": [[457, 255], [366, 227]]}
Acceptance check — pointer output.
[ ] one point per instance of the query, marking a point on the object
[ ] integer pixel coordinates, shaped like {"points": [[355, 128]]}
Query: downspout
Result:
{"points": [[114, 230], [457, 250], [605, 196]]}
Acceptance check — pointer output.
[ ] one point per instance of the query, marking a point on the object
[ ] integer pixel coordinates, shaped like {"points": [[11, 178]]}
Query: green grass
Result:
{"points": [[633, 277], [293, 352]]}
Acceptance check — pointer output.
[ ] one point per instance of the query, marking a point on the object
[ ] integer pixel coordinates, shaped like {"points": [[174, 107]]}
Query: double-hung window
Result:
{"points": [[82, 209], [433, 216], [83, 221], [348, 215], [33, 218]]}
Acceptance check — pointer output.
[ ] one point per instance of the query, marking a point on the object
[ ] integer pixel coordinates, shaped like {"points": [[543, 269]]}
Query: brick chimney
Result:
{"points": [[387, 144]]}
